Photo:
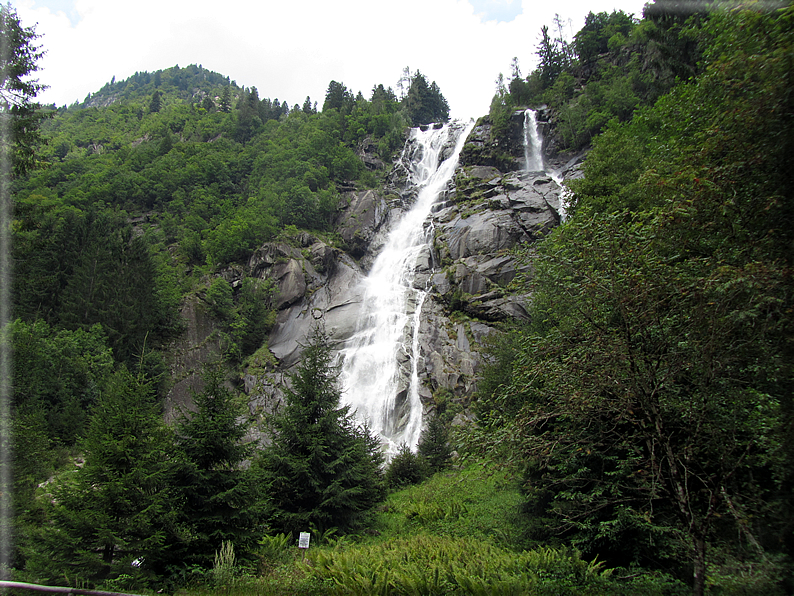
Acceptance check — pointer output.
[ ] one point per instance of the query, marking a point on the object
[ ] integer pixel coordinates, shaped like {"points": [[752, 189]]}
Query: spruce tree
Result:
{"points": [[18, 89], [118, 507], [156, 103], [424, 102], [406, 468], [434, 446], [321, 470], [226, 100], [218, 492]]}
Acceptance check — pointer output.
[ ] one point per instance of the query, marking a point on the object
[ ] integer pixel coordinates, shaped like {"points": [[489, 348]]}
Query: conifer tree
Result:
{"points": [[113, 283], [405, 468], [218, 492], [156, 103], [226, 100], [20, 116], [338, 97], [322, 470], [117, 508], [434, 446], [424, 103]]}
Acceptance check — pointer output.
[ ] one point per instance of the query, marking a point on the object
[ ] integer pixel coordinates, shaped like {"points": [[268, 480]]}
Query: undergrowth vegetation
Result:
{"points": [[459, 532]]}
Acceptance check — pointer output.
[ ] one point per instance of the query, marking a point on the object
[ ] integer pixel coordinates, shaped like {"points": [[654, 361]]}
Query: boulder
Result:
{"points": [[291, 283], [335, 304]]}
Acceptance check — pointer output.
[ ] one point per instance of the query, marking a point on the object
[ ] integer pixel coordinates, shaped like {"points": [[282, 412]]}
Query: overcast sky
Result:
{"points": [[289, 50]]}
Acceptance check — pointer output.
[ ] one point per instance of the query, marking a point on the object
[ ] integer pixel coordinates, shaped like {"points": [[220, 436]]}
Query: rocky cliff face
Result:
{"points": [[491, 206]]}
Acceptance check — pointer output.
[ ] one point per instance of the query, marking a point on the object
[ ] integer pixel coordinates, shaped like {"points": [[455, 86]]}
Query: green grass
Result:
{"points": [[459, 532], [470, 503]]}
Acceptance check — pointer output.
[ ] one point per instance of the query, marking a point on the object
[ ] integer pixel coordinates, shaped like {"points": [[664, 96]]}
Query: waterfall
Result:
{"points": [[384, 394], [533, 159], [533, 156]]}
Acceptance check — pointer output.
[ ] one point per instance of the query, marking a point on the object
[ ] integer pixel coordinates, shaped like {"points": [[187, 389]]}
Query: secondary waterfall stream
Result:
{"points": [[387, 331], [533, 154], [533, 158]]}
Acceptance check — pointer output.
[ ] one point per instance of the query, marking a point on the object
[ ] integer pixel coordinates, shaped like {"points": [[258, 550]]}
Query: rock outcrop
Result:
{"points": [[493, 207]]}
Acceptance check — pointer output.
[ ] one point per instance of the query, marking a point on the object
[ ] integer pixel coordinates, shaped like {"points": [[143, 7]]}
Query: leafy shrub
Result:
{"points": [[274, 551], [219, 298]]}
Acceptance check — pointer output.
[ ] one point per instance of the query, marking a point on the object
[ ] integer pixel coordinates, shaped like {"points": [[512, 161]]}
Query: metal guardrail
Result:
{"points": [[58, 589]]}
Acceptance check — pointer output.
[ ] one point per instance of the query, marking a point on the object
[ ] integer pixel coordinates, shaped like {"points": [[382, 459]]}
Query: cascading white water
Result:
{"points": [[533, 158], [387, 330]]}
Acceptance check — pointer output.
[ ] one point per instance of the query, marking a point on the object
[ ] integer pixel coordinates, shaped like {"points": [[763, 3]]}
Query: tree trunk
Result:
{"points": [[699, 559]]}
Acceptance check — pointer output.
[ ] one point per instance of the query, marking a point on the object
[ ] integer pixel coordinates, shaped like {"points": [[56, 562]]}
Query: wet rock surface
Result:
{"points": [[491, 207]]}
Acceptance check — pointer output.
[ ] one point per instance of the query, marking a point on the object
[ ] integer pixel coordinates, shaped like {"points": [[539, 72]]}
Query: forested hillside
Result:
{"points": [[649, 402], [638, 412]]}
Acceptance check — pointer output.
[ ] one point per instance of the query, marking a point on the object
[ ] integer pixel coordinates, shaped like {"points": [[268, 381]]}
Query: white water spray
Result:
{"points": [[533, 158], [388, 328]]}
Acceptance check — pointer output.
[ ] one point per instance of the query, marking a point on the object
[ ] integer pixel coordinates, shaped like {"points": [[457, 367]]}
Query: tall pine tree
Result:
{"points": [[218, 492], [118, 507], [322, 470]]}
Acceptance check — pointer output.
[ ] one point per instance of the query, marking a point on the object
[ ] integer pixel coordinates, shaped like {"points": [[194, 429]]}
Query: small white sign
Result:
{"points": [[303, 540]]}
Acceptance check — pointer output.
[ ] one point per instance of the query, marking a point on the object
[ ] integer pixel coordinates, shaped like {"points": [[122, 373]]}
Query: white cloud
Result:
{"points": [[496, 10], [291, 50]]}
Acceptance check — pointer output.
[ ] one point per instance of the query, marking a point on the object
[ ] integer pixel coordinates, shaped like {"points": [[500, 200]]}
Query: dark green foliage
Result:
{"points": [[434, 445], [424, 102], [614, 66], [228, 179], [672, 25], [113, 284], [656, 384], [118, 507], [251, 114], [244, 316], [433, 455], [156, 103], [218, 493], [646, 411], [58, 376], [224, 181], [253, 317], [321, 470], [405, 468], [521, 90], [78, 269], [338, 97], [499, 115], [552, 59], [219, 298], [18, 57], [381, 119], [599, 28], [501, 351], [583, 116], [226, 100]]}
